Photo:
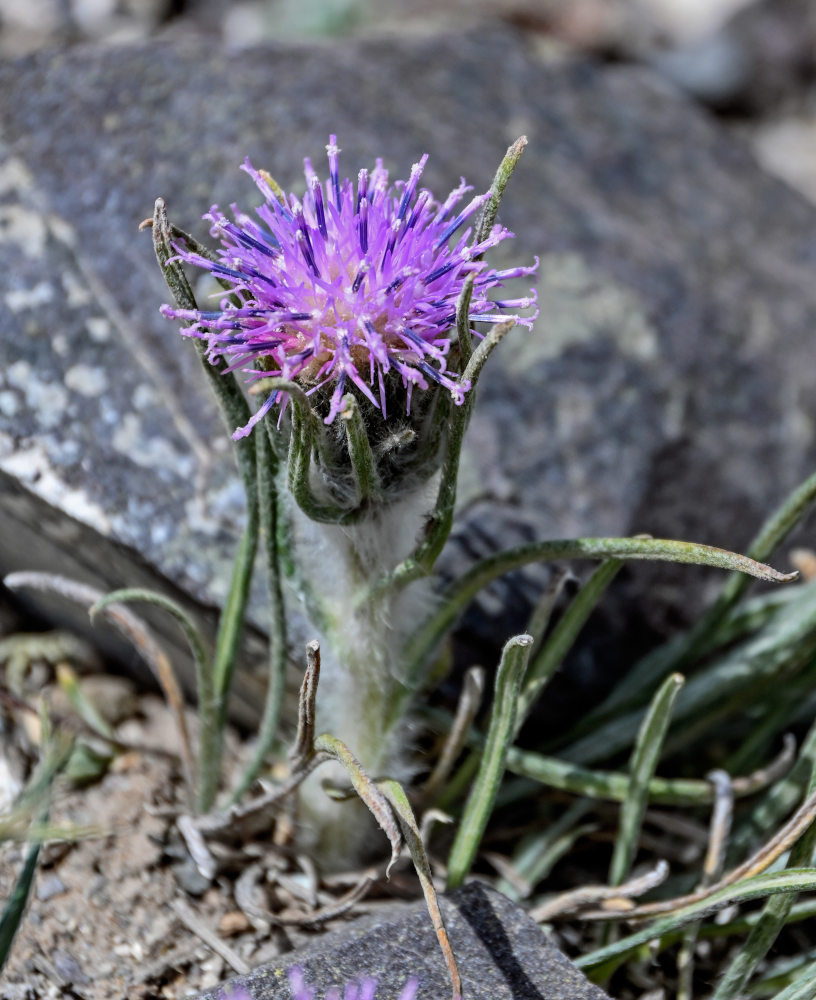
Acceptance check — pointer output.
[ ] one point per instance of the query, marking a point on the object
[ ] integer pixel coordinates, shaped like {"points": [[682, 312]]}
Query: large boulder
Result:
{"points": [[668, 386]]}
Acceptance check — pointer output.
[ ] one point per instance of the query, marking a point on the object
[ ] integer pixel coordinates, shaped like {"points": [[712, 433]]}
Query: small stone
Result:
{"points": [[190, 878], [48, 886], [232, 923], [69, 968]]}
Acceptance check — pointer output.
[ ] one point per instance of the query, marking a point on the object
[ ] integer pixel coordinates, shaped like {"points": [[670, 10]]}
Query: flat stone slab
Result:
{"points": [[668, 387], [501, 953]]}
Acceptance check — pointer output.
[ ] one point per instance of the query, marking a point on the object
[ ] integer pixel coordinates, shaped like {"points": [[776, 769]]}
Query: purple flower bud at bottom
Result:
{"points": [[365, 989]]}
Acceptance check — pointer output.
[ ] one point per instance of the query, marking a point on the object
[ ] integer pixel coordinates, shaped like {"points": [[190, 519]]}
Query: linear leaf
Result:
{"points": [[758, 887], [499, 736], [642, 767]]}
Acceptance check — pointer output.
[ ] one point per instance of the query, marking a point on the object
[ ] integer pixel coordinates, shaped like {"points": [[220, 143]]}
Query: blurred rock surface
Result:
{"points": [[619, 26], [762, 57]]}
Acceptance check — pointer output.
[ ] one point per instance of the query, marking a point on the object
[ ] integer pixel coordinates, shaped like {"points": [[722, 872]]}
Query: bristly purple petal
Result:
{"points": [[347, 284]]}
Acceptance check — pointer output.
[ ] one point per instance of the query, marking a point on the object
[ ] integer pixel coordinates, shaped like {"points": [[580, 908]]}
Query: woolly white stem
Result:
{"points": [[361, 651]]}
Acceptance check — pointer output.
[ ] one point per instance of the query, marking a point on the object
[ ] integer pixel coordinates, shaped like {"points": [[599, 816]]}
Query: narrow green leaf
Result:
{"points": [[549, 659], [206, 698], [803, 987], [134, 595], [462, 780], [198, 648], [780, 799], [421, 562], [438, 527], [771, 921], [235, 413], [231, 401], [757, 744], [784, 646], [567, 776], [758, 887], [32, 809], [677, 655], [228, 639], [500, 733], [540, 851], [487, 345], [470, 701], [741, 925], [84, 707], [460, 593], [613, 785], [642, 768], [542, 612], [88, 763], [14, 909], [33, 800], [779, 973]]}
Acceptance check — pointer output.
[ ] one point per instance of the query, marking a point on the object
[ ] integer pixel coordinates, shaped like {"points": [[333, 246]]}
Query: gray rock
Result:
{"points": [[501, 954], [763, 57], [668, 386]]}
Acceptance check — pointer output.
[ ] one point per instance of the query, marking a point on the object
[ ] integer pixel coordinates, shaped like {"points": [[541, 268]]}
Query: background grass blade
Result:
{"points": [[771, 921], [613, 785], [780, 799], [462, 591], [136, 632], [32, 808], [786, 645], [549, 659], [134, 595], [803, 987], [641, 769], [14, 909], [678, 654], [499, 736], [604, 961]]}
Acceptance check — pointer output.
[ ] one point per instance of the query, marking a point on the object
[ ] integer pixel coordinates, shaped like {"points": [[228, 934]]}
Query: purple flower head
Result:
{"points": [[366, 989], [349, 285]]}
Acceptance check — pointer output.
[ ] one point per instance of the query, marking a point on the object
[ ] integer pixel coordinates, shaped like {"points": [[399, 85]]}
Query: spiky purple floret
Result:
{"points": [[366, 989], [346, 286]]}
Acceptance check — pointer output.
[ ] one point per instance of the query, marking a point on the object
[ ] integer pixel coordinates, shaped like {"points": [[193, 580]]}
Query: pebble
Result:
{"points": [[48, 886]]}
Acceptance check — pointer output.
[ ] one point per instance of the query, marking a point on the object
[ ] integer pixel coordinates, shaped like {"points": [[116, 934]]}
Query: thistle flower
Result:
{"points": [[347, 285], [366, 989]]}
